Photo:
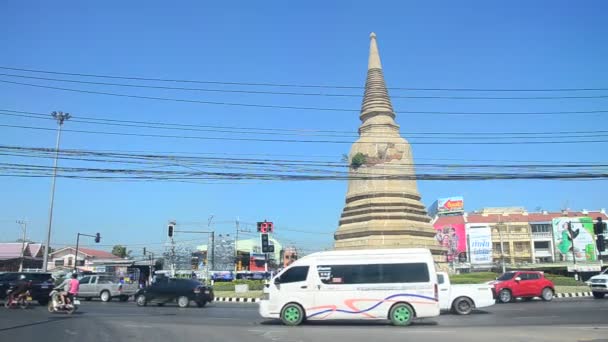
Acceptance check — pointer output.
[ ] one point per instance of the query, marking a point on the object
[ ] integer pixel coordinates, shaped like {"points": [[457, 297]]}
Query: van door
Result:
{"points": [[294, 285]]}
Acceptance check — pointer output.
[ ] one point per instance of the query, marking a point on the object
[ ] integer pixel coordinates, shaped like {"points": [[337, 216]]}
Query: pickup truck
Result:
{"points": [[462, 299], [599, 284], [105, 288]]}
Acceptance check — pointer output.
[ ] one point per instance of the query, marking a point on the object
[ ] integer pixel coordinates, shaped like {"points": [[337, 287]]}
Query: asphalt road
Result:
{"points": [[561, 320]]}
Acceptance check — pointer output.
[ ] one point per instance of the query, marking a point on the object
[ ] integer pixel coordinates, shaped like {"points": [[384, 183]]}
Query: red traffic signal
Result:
{"points": [[265, 227]]}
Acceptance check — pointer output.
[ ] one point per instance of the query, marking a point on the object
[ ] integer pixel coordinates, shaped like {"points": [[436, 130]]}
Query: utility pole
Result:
{"points": [[23, 225], [212, 244], [502, 251], [236, 244], [61, 117]]}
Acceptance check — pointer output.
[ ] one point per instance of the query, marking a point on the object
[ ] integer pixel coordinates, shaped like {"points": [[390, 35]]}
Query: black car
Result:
{"points": [[42, 285], [170, 290]]}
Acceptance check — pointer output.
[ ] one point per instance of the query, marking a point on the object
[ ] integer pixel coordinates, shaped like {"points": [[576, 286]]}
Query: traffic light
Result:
{"points": [[97, 238], [144, 250], [266, 246], [170, 230], [265, 227]]}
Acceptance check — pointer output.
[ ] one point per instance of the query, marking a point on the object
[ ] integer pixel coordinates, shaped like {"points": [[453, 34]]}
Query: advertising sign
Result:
{"points": [[480, 244], [583, 244], [450, 204], [453, 238]]}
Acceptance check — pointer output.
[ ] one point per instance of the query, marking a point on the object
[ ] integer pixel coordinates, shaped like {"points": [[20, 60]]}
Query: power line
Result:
{"points": [[560, 142], [253, 105], [263, 130], [134, 78], [258, 92]]}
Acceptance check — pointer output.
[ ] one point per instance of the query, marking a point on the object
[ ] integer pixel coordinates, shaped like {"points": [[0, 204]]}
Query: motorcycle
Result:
{"points": [[57, 305], [23, 300]]}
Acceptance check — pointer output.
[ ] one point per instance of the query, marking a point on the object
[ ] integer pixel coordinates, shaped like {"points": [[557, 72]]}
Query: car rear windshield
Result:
{"points": [[506, 276]]}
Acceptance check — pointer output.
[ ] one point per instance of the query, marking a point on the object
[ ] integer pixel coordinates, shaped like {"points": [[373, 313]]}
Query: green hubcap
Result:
{"points": [[402, 314], [291, 314]]}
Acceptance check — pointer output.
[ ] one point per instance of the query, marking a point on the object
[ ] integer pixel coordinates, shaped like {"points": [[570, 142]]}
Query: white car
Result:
{"points": [[462, 299], [599, 284]]}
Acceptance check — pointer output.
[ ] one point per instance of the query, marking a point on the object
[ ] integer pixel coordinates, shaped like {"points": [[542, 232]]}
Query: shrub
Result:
{"points": [[358, 160], [254, 285]]}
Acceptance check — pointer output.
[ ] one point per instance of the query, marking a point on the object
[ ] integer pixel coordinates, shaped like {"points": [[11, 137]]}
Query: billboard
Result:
{"points": [[450, 205], [583, 246], [453, 238], [480, 244]]}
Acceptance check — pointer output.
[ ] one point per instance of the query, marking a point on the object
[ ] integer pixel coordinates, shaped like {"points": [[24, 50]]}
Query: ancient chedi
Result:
{"points": [[383, 208]]}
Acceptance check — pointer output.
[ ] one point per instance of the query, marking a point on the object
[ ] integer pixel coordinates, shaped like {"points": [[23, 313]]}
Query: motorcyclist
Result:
{"points": [[20, 290], [64, 288], [74, 286]]}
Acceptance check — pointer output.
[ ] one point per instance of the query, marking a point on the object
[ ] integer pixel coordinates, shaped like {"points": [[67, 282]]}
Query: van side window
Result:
{"points": [[294, 274], [440, 278], [374, 273]]}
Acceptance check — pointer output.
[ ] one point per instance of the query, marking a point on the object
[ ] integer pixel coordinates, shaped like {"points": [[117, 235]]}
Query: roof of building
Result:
{"points": [[90, 252], [9, 250], [448, 220], [524, 217]]}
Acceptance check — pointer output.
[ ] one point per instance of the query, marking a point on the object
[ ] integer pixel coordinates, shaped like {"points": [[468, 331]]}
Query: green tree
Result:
{"points": [[120, 251], [358, 160]]}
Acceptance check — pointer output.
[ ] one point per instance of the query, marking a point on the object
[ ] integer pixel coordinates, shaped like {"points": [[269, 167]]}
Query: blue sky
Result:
{"points": [[473, 44]]}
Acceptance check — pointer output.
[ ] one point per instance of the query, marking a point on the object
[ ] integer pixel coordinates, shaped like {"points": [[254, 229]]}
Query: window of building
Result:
{"points": [[520, 246], [59, 262], [79, 262], [541, 228], [541, 244], [294, 274], [70, 260], [374, 273]]}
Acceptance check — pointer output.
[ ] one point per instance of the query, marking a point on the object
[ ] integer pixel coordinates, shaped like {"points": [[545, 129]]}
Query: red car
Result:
{"points": [[522, 284]]}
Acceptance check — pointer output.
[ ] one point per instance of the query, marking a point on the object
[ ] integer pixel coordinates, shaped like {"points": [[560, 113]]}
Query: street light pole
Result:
{"points": [[60, 117], [23, 225]]}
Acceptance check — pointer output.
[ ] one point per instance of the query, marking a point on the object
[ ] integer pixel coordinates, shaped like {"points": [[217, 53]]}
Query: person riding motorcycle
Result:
{"points": [[64, 289], [20, 290], [73, 288]]}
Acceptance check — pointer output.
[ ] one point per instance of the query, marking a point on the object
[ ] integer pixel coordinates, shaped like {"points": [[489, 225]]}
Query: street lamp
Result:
{"points": [[60, 117]]}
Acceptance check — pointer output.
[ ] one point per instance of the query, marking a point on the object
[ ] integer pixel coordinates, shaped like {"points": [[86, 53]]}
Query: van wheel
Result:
{"points": [[401, 314], [292, 314], [547, 294], [463, 306], [183, 302], [505, 296], [105, 296]]}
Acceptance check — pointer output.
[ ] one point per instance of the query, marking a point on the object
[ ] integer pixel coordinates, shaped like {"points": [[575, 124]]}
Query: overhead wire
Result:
{"points": [[270, 84]]}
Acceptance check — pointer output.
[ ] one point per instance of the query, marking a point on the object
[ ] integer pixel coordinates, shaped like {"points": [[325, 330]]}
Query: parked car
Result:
{"points": [[462, 299], [170, 290], [105, 288], [522, 284], [42, 285], [599, 284]]}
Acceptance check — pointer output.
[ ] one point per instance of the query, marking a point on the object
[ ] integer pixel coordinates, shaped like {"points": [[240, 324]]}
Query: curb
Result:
{"points": [[573, 294], [236, 299]]}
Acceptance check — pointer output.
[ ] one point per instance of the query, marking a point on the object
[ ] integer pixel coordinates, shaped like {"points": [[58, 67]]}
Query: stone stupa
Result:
{"points": [[383, 207]]}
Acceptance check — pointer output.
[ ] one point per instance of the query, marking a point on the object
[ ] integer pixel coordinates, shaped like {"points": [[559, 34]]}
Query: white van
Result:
{"points": [[377, 284]]}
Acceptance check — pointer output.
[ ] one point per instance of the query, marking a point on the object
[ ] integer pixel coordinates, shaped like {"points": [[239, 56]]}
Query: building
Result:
{"points": [[383, 207], [88, 259], [516, 236], [12, 252], [249, 256]]}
